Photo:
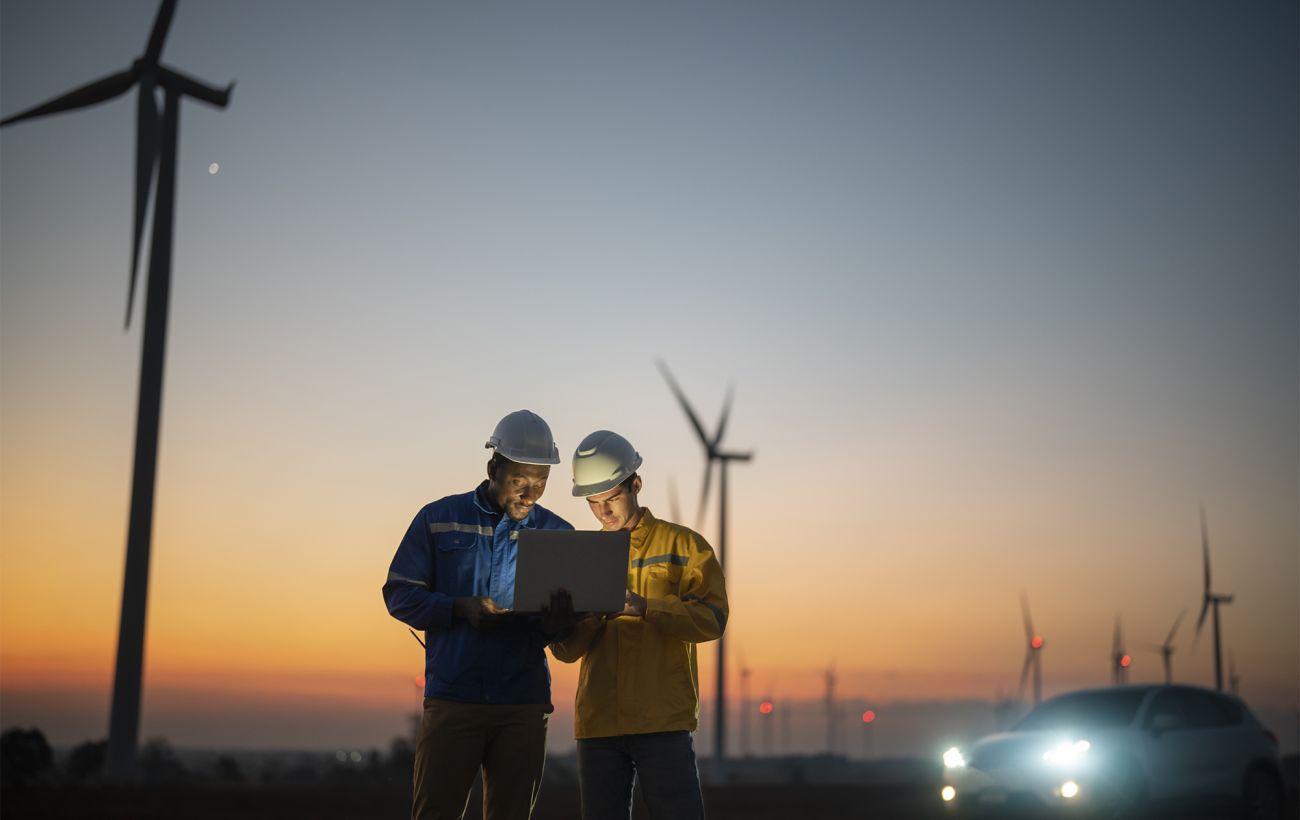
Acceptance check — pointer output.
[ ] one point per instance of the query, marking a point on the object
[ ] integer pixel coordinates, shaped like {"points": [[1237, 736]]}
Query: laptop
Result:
{"points": [[592, 566]]}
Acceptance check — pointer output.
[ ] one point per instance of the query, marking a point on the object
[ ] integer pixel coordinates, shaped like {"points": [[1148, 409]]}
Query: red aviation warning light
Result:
{"points": [[765, 708], [868, 716], [1125, 661], [1037, 642]]}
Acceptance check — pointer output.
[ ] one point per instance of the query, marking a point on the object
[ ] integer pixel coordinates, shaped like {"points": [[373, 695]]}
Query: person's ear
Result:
{"points": [[492, 468], [636, 484]]}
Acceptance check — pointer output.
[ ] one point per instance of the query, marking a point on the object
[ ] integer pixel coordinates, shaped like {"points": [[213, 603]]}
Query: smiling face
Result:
{"points": [[617, 509], [516, 487]]}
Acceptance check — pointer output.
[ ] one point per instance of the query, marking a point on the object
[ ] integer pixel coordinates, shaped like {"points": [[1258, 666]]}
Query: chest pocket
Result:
{"points": [[450, 541], [661, 580], [456, 561]]}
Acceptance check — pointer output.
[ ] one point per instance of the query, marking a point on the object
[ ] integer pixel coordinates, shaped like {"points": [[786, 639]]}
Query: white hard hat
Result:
{"points": [[602, 461], [522, 436]]}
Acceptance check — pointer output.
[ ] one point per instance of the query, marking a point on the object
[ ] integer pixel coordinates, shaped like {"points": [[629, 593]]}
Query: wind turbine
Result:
{"points": [[1211, 599], [156, 139], [713, 453], [1034, 644], [766, 708], [1166, 649], [744, 704], [830, 709], [1119, 658]]}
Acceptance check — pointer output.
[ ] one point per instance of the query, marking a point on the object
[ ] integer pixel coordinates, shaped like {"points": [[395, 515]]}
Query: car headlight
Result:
{"points": [[1067, 753], [953, 759]]}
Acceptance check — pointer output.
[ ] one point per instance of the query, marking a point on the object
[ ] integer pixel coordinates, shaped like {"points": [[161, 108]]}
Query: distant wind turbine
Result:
{"points": [[744, 703], [156, 140], [830, 709], [1119, 658], [1210, 600], [1166, 649], [1034, 644], [713, 453]]}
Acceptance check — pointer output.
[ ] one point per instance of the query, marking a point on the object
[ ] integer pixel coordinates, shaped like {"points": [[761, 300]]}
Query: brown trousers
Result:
{"points": [[457, 739]]}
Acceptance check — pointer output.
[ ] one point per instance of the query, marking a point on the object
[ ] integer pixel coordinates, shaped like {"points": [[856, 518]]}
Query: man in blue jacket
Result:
{"points": [[487, 694]]}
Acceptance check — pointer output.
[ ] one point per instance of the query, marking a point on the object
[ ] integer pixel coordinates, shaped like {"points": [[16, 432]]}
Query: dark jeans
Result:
{"points": [[664, 763], [458, 739]]}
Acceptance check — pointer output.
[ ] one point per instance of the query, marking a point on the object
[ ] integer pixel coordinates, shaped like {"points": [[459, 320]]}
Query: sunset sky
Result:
{"points": [[1006, 291]]}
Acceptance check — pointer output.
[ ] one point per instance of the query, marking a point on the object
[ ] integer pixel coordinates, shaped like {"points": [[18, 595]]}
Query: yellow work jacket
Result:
{"points": [[639, 674]]}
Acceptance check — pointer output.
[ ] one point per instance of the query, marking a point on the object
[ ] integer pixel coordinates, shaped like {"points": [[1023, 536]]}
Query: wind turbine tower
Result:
{"points": [[156, 142], [1034, 644], [1120, 659], [714, 453], [1210, 601], [830, 710], [744, 706]]}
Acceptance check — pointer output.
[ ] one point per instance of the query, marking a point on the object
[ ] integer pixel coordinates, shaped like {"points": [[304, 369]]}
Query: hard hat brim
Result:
{"points": [[522, 458]]}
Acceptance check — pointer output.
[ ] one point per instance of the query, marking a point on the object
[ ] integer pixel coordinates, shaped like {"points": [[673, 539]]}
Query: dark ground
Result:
{"points": [[364, 801]]}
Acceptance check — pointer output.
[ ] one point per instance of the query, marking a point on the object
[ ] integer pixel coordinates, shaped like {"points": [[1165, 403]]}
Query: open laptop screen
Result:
{"points": [[592, 566]]}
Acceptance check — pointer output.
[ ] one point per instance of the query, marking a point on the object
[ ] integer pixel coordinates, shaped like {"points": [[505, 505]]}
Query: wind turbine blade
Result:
{"points": [[722, 420], [674, 508], [175, 81], [146, 156], [704, 493], [99, 91], [159, 33], [1169, 640], [1024, 610], [1205, 547], [1024, 675], [681, 399], [1200, 622]]}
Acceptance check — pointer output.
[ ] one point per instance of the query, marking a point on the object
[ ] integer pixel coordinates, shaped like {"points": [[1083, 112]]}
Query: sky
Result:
{"points": [[1006, 291]]}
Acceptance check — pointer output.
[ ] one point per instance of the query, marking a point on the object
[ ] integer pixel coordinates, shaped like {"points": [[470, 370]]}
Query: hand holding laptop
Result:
{"points": [[480, 612], [633, 604]]}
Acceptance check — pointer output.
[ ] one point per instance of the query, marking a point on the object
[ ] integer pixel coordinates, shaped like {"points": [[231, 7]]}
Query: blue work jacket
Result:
{"points": [[459, 546]]}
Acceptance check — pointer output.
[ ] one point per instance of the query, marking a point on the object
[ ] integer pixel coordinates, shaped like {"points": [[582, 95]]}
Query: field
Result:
{"points": [[366, 801]]}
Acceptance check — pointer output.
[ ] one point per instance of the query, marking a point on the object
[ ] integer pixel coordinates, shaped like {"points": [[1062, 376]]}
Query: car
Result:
{"points": [[1122, 751]]}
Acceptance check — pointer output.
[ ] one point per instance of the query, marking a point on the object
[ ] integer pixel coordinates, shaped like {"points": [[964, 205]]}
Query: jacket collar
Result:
{"points": [[642, 529], [482, 501]]}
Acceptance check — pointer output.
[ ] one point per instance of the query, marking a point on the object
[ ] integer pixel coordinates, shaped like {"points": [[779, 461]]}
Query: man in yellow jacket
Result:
{"points": [[638, 695]]}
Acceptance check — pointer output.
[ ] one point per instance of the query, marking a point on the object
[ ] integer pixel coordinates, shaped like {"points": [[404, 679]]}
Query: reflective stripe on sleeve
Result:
{"points": [[717, 613], [393, 576]]}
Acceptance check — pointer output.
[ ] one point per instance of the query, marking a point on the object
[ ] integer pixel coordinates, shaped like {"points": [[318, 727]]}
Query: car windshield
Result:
{"points": [[1085, 710]]}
